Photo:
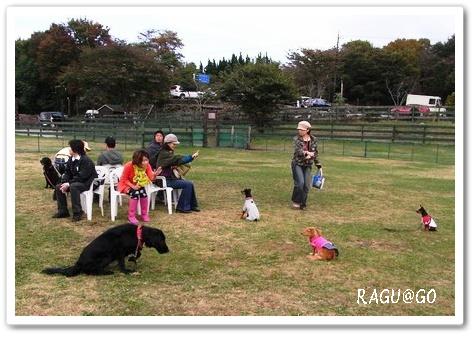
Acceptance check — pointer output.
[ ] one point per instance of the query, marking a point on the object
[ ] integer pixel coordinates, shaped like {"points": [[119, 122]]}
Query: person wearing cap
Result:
{"points": [[154, 147], [77, 178], [62, 156], [111, 156], [305, 155], [167, 159]]}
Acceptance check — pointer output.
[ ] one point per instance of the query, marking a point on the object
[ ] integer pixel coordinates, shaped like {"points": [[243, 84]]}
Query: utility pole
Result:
{"points": [[335, 67]]}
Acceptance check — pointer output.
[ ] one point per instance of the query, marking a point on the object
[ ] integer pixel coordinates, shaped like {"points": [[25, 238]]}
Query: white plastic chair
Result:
{"points": [[87, 196], [103, 177], [171, 196], [115, 197], [152, 191]]}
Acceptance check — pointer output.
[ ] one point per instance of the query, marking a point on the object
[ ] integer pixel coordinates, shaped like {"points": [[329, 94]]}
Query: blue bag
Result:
{"points": [[318, 180]]}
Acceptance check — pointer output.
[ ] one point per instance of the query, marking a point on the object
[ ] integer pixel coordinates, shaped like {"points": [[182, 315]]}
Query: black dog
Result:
{"points": [[52, 177], [115, 244]]}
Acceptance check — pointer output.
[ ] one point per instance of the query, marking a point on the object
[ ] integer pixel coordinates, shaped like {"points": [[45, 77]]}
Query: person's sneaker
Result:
{"points": [[145, 218], [196, 209], [60, 215], [296, 206], [78, 217]]}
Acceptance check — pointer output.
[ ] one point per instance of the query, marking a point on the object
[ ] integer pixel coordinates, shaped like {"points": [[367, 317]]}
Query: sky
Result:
{"points": [[217, 32]]}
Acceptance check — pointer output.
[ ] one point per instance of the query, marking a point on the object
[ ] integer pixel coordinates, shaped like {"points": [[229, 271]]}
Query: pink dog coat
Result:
{"points": [[427, 220], [321, 242]]}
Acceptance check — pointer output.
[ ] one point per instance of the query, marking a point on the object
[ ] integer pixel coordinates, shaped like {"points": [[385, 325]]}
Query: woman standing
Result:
{"points": [[167, 160], [305, 154]]}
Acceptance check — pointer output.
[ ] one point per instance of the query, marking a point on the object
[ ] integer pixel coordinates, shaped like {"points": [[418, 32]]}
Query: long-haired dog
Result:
{"points": [[250, 210], [322, 249], [426, 220], [115, 244], [52, 177]]}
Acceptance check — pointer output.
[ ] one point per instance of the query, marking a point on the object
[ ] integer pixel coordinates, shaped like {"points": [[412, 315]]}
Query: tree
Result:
{"points": [[438, 72], [184, 76], [166, 45], [118, 74], [402, 67], [258, 89], [88, 33], [361, 73], [311, 70], [27, 78]]}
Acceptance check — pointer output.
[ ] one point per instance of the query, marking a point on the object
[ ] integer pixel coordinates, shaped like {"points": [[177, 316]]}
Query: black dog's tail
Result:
{"points": [[68, 271]]}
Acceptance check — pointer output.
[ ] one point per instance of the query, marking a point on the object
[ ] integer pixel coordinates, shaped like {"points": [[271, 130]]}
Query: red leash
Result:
{"points": [[140, 241]]}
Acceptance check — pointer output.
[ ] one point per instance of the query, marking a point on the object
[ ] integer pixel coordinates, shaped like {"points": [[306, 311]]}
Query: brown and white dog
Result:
{"points": [[426, 220], [322, 249]]}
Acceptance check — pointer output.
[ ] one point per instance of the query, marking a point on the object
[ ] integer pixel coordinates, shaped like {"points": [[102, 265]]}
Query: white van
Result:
{"points": [[433, 103]]}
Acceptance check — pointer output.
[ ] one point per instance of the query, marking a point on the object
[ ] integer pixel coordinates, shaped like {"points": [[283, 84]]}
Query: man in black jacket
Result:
{"points": [[78, 177]]}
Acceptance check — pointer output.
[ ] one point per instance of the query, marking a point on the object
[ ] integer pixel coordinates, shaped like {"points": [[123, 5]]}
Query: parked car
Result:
{"points": [[317, 102], [178, 92], [402, 110], [50, 118]]}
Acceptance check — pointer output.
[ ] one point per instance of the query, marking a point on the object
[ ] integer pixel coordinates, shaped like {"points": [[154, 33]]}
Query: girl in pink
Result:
{"points": [[136, 175]]}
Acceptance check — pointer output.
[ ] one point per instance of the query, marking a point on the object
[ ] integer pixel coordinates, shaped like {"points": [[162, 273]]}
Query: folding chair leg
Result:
{"points": [[101, 200], [89, 206], [168, 191], [113, 208]]}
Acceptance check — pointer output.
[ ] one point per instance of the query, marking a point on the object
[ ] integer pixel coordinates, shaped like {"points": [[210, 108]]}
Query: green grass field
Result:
{"points": [[221, 265]]}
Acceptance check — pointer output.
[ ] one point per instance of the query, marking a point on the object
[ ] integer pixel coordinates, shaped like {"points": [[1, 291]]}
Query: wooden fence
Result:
{"points": [[222, 134]]}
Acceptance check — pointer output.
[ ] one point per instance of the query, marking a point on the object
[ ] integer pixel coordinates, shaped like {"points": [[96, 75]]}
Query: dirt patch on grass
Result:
{"points": [[48, 296]]}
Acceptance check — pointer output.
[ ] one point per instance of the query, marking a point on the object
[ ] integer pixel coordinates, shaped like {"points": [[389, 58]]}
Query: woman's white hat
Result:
{"points": [[171, 138], [304, 125]]}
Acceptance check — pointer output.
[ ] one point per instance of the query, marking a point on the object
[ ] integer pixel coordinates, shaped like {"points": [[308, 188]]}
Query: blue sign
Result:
{"points": [[203, 78]]}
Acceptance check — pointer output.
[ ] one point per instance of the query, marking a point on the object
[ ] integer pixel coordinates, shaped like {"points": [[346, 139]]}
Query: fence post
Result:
{"points": [[39, 140], [248, 145], [365, 150], [343, 147], [388, 151], [332, 130], [232, 136], [362, 133]]}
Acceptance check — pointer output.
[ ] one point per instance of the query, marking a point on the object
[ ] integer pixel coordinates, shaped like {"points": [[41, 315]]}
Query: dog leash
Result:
{"points": [[48, 179], [140, 241]]}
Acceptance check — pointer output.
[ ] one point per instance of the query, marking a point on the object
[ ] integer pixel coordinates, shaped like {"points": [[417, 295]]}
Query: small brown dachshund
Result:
{"points": [[322, 249]]}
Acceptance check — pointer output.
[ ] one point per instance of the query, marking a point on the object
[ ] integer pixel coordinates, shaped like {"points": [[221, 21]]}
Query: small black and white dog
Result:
{"points": [[250, 210], [426, 220], [52, 177]]}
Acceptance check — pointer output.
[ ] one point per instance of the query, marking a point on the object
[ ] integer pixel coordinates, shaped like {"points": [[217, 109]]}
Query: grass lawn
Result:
{"points": [[221, 265]]}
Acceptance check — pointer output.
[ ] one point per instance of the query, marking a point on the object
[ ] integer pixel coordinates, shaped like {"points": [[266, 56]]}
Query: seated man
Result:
{"points": [[111, 156], [78, 177]]}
